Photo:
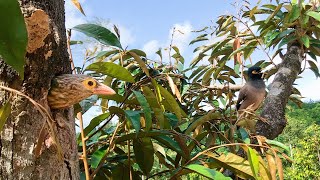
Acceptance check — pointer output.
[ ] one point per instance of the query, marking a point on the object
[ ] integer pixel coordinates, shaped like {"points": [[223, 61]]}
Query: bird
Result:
{"points": [[253, 92], [69, 89]]}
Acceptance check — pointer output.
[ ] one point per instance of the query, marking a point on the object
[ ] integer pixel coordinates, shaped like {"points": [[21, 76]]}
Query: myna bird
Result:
{"points": [[253, 92], [69, 89]]}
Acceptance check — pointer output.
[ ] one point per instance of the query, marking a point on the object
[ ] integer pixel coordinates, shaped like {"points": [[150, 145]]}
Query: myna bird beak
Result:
{"points": [[102, 89]]}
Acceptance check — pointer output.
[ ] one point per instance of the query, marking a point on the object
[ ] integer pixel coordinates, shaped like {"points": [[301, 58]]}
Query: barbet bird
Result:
{"points": [[253, 92], [69, 89]]}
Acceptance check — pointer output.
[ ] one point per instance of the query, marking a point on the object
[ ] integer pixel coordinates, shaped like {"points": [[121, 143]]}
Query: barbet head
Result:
{"points": [[255, 73], [68, 89]]}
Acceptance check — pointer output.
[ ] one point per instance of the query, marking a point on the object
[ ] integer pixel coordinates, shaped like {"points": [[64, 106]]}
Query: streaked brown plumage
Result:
{"points": [[253, 92], [68, 89]]}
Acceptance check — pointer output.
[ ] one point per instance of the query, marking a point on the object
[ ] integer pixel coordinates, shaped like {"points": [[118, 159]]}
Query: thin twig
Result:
{"points": [[84, 149], [111, 147]]}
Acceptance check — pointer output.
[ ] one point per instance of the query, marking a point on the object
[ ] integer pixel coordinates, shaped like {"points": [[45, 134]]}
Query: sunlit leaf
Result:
{"points": [[272, 165], [171, 100], [152, 100], [294, 13], [101, 34], [174, 88], [95, 122], [234, 163], [76, 42], [144, 154], [315, 15], [5, 111], [207, 172], [78, 5], [305, 40], [112, 70], [13, 35], [146, 109], [254, 161]]}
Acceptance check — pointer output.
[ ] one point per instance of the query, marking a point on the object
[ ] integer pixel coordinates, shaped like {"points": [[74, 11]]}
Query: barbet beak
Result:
{"points": [[102, 89]]}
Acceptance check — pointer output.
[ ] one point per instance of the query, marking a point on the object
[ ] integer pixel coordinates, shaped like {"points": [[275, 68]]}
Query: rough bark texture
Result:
{"points": [[279, 91], [46, 57]]}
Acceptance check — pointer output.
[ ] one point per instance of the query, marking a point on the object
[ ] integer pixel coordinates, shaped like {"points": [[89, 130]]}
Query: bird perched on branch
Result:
{"points": [[253, 92], [69, 89]]}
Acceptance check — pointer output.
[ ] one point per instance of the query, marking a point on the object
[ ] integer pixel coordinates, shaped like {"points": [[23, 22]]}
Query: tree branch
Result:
{"points": [[279, 91]]}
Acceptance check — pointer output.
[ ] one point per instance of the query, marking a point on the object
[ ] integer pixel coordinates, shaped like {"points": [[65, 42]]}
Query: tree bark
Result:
{"points": [[46, 57], [280, 89]]}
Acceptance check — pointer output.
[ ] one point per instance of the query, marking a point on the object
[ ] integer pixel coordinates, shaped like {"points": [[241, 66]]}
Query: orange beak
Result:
{"points": [[102, 89]]}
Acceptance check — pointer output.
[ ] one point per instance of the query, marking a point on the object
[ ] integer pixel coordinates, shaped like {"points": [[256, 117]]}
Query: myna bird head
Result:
{"points": [[69, 89], [254, 73]]}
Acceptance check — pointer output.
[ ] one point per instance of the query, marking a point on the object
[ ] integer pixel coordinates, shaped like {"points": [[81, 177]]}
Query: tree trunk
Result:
{"points": [[280, 89], [46, 57]]}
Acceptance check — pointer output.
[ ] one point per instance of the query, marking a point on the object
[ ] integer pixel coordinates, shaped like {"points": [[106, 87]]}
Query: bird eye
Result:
{"points": [[90, 83]]}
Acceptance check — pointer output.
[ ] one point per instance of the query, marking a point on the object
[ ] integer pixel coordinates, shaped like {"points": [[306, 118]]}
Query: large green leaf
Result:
{"points": [[97, 156], [209, 116], [5, 111], [101, 34], [112, 70], [171, 101], [152, 100], [144, 154], [305, 40], [146, 109], [294, 13], [254, 161], [95, 122], [314, 14], [13, 35], [207, 172], [134, 117]]}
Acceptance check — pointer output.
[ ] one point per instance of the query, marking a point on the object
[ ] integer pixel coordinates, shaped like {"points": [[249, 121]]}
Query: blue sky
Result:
{"points": [[148, 25]]}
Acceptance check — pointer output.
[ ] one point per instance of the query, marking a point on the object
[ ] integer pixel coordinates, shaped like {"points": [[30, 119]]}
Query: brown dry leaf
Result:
{"points": [[174, 88], [279, 166], [237, 56], [272, 166], [78, 5]]}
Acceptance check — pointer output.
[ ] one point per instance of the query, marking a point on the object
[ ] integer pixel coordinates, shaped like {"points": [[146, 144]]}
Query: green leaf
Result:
{"points": [[112, 70], [314, 68], [253, 161], [286, 40], [305, 40], [75, 42], [144, 154], [134, 117], [315, 15], [97, 156], [146, 109], [13, 35], [207, 172], [101, 34], [5, 111], [171, 101], [103, 54], [209, 116], [171, 144], [207, 76], [140, 62], [95, 122], [199, 38], [294, 13], [279, 144]]}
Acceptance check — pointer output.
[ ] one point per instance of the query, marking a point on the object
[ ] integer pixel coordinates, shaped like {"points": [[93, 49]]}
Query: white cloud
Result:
{"points": [[181, 36], [73, 15], [151, 47], [126, 36]]}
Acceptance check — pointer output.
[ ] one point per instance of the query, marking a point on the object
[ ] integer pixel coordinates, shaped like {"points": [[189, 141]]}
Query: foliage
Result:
{"points": [[302, 134], [172, 121], [13, 35]]}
